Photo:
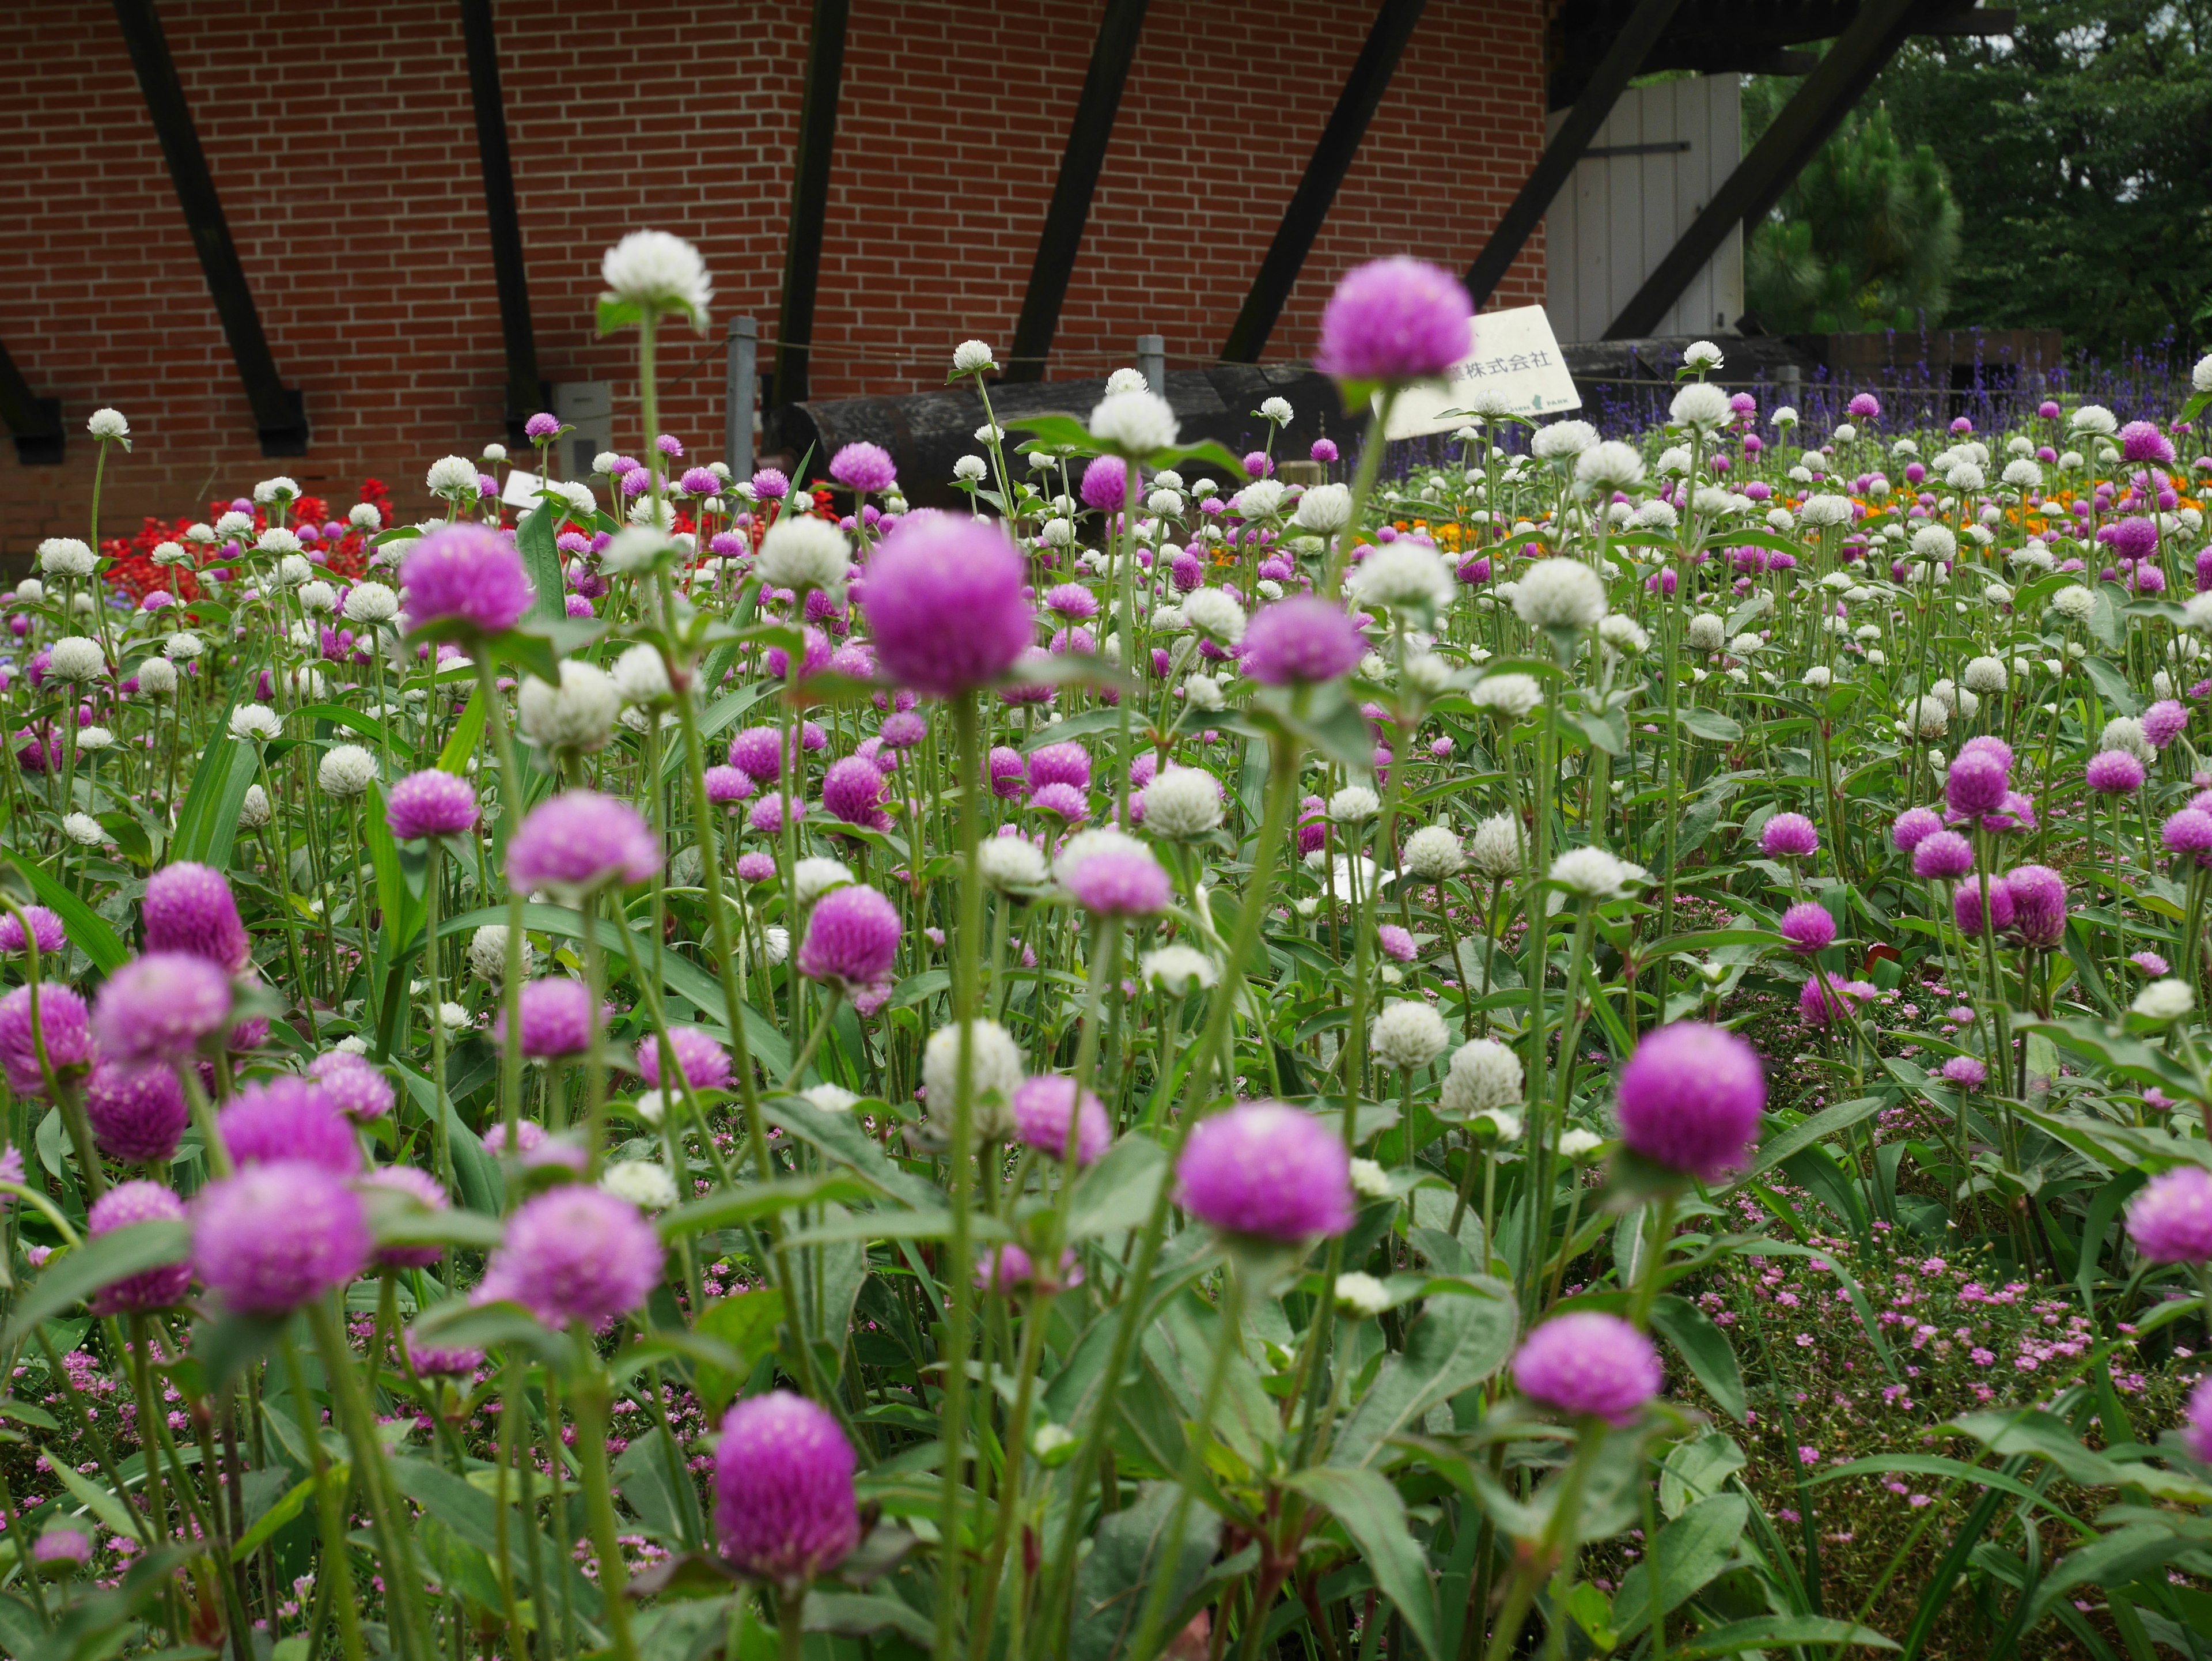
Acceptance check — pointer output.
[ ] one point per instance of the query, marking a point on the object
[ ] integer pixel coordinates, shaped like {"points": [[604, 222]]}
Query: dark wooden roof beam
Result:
{"points": [[34, 422], [809, 199], [524, 395]]}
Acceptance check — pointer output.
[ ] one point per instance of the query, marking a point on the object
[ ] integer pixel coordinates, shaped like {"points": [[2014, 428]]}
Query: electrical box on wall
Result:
{"points": [[589, 407]]}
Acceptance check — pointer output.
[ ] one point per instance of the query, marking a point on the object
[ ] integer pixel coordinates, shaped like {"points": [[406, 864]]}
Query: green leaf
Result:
{"points": [[71, 1276], [2111, 685], [1711, 724], [749, 1201], [483, 1186], [747, 1323], [474, 1517], [1691, 1550], [1375, 1516], [87, 929], [461, 743], [1127, 1555], [535, 540], [295, 1501], [1705, 1348], [863, 1613], [206, 784], [2114, 1561], [840, 1136], [1785, 1144], [1456, 1344], [1118, 1192], [1606, 731], [1774, 1632], [219, 835]]}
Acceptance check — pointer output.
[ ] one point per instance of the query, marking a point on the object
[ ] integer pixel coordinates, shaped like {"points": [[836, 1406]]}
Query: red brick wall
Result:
{"points": [[342, 141]]}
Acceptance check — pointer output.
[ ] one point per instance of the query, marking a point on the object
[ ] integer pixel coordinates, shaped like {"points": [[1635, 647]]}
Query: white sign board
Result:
{"points": [[1517, 369], [520, 490]]}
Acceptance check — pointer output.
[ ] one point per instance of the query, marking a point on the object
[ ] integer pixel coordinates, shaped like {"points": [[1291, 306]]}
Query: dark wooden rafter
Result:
{"points": [[1080, 164], [1623, 59], [1339, 141], [279, 413], [525, 394], [1805, 123], [34, 422], [810, 198]]}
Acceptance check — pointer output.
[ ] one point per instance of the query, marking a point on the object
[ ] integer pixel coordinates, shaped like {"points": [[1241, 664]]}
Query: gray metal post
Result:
{"points": [[1152, 361], [1786, 380], [740, 391]]}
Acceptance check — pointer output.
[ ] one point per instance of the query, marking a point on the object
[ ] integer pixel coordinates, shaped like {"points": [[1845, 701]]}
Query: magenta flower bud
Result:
{"points": [[1818, 1008], [1006, 1268], [701, 1060], [757, 752], [274, 1237], [1589, 1365], [1865, 406], [190, 907], [2163, 723], [2196, 1430], [1966, 1072], [1396, 943], [1942, 856], [1042, 1107], [1395, 320], [756, 867], [1808, 927], [1789, 836], [137, 1114], [575, 1253], [852, 939], [2170, 1219], [1966, 904], [1301, 640], [1690, 1098], [728, 786], [864, 467], [1914, 826], [440, 1361], [767, 814], [1266, 1171], [430, 803], [1323, 450], [2114, 773], [287, 1120], [46, 931], [1118, 882], [556, 1018], [162, 1006], [353, 1085], [2039, 905], [1977, 783], [946, 601], [467, 573], [580, 841], [529, 1137], [62, 1548], [150, 1289], [416, 1185], [1004, 767], [1105, 486], [784, 1506], [1060, 763], [1063, 802], [2189, 831], [61, 1022], [542, 428], [853, 791]]}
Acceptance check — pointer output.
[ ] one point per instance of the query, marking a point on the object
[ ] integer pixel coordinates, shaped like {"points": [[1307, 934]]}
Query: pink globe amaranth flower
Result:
{"points": [[1590, 1364], [468, 573], [274, 1237], [2140, 441], [542, 428], [354, 1085], [1865, 407], [46, 930], [1976, 784], [1063, 802], [2189, 831], [1301, 640], [61, 1022], [287, 1120], [1817, 1008], [770, 485], [1396, 943], [441, 1361], [947, 605], [700, 1058], [1966, 905], [852, 938], [190, 907], [1914, 826], [2170, 1219], [1985, 744], [1004, 767], [1119, 882], [416, 1185], [153, 1288], [767, 816], [430, 803], [1966, 1072], [2163, 723], [529, 1137], [575, 1253], [137, 1114], [757, 752], [1322, 450], [1269, 1171], [2114, 773], [2039, 905], [866, 468], [784, 1506], [853, 791], [903, 729], [1395, 320], [1105, 484], [756, 867], [1808, 927], [727, 786], [1942, 856], [1041, 1112], [580, 841], [1789, 836], [1007, 1268], [1066, 763], [556, 1018], [1690, 1098]]}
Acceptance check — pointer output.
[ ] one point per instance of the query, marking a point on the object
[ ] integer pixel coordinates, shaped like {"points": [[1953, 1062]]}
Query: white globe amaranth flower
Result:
{"points": [[1178, 969], [1360, 1294], [487, 954], [996, 1070], [1008, 863], [1125, 380], [1182, 802], [1262, 497], [1324, 509], [1702, 406], [157, 678], [971, 469], [2196, 613], [2074, 602], [1407, 1035], [1610, 465], [253, 812], [1821, 511], [577, 713], [283, 488], [1674, 459], [635, 548], [346, 771], [1214, 613], [83, 829], [365, 516], [65, 556], [830, 1099], [369, 603], [1276, 410], [255, 721], [1589, 873], [1370, 1180], [1562, 441], [1485, 1077], [2095, 420], [2126, 732], [1656, 515], [2199, 375], [1134, 423], [1495, 848], [317, 597], [107, 424], [91, 740], [1354, 805], [1706, 632], [1087, 844], [1928, 717], [2022, 474], [1405, 576], [646, 1183], [1433, 853], [1745, 645], [641, 677], [1622, 634], [1577, 1144], [1504, 1125], [801, 552], [77, 657], [1701, 355], [1164, 502], [1818, 678], [30, 591], [2167, 999], [816, 875], [1426, 672], [292, 570], [582, 502], [449, 476], [657, 273], [971, 355], [1984, 675], [1057, 533], [1560, 594]]}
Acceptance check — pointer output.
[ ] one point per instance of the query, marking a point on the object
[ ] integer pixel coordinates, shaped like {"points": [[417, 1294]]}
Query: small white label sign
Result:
{"points": [[520, 490], [1516, 368]]}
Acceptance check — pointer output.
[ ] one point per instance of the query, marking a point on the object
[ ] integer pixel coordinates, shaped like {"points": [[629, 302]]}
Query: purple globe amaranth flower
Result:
{"points": [[1690, 1098], [430, 803], [2189, 831], [1105, 484], [2114, 773], [442, 1361], [852, 938], [770, 485], [1589, 1366], [154, 1289], [62, 1548], [1987, 744], [1301, 640], [1120, 882], [853, 791], [468, 573], [542, 428], [1067, 763], [355, 1086], [700, 1060], [1789, 836], [190, 907], [1942, 856], [2170, 1219], [1865, 406], [556, 1018], [285, 1121], [575, 1253], [416, 1185], [1808, 927], [1976, 784], [947, 605], [2130, 538], [1966, 905], [1269, 1171], [1003, 767], [137, 1114], [274, 1237], [1396, 943], [1395, 320], [580, 841], [2039, 905], [784, 1506], [1007, 1267], [757, 752], [866, 468], [769, 813], [728, 786], [1966, 1072], [46, 931], [1062, 801], [1818, 1008], [2163, 723], [61, 1023], [1914, 826], [1042, 1111], [2141, 440]]}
